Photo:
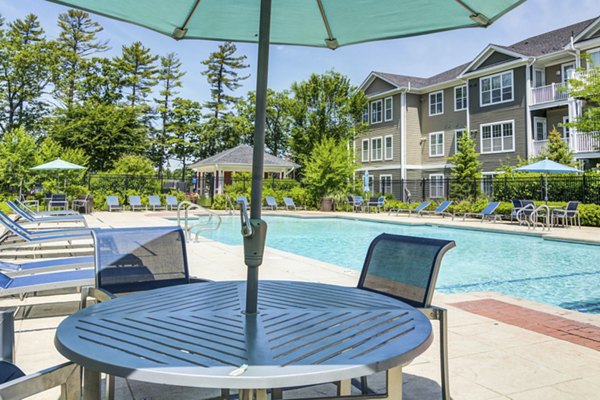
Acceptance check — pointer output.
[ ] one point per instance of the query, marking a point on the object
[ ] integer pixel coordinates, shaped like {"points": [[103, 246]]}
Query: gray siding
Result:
{"points": [[413, 129], [495, 59], [378, 86]]}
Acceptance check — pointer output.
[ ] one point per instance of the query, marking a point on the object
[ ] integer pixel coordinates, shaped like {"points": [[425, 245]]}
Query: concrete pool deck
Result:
{"points": [[500, 347]]}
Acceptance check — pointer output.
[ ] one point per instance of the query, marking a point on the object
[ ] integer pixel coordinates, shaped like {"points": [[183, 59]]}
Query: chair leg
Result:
{"points": [[445, 378]]}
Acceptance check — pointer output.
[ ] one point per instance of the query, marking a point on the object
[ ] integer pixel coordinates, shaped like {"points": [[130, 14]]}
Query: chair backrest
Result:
{"points": [[381, 200], [572, 207], [423, 206], [358, 200], [271, 201], [171, 200], [516, 204], [404, 267], [112, 200], [289, 202], [528, 206], [15, 207], [490, 208], [14, 227], [135, 259], [58, 198], [443, 205], [154, 200], [135, 201]]}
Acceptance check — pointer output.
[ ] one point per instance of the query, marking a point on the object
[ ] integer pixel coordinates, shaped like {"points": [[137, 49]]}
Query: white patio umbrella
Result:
{"points": [[366, 185], [319, 23], [57, 165], [547, 167]]}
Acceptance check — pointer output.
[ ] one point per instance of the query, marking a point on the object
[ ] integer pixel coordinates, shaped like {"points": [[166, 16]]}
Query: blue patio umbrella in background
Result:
{"points": [[57, 165], [367, 187], [320, 23], [547, 167]]}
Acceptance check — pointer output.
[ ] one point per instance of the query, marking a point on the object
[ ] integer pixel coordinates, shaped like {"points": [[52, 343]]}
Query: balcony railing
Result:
{"points": [[549, 93], [583, 142]]}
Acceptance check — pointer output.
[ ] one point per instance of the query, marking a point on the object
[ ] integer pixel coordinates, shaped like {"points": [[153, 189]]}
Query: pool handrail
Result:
{"points": [[186, 207]]}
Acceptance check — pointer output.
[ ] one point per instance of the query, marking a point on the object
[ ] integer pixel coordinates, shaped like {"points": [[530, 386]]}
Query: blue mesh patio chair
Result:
{"points": [[524, 213], [357, 202], [289, 204], [155, 203], [135, 203], [376, 202], [489, 212], [516, 206], [440, 210], [271, 203], [112, 203], [16, 268], [566, 215], [58, 201], [406, 268], [418, 210], [171, 202], [23, 285], [26, 216]]}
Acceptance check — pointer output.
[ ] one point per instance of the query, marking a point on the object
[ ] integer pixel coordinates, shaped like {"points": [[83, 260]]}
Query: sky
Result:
{"points": [[421, 56]]}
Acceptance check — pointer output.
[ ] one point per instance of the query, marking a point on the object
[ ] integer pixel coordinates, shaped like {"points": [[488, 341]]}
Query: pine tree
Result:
{"points": [[186, 130], [222, 74], [169, 77], [76, 41], [466, 169], [139, 71], [557, 150]]}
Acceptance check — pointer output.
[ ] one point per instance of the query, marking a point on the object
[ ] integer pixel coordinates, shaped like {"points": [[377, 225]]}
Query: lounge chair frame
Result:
{"points": [[66, 375], [487, 212]]}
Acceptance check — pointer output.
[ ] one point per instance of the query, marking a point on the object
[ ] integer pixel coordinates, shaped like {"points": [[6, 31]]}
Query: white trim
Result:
{"points": [[362, 150], [371, 104], [486, 53], [463, 130], [371, 78], [589, 53], [437, 196], [385, 147], [391, 99], [403, 150], [464, 87], [512, 121], [381, 178], [492, 103], [544, 121], [437, 144], [535, 82], [442, 102], [380, 158]]}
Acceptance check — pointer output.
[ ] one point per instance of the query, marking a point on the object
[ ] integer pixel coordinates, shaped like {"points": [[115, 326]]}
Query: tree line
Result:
{"points": [[66, 94]]}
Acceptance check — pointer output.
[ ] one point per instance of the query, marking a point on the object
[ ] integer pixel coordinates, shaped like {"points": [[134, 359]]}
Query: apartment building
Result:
{"points": [[509, 96]]}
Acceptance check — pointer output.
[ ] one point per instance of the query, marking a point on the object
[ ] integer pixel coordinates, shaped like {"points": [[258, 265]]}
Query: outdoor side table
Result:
{"points": [[197, 335]]}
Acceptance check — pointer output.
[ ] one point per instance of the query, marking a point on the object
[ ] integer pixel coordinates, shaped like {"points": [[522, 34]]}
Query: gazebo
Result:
{"points": [[237, 159]]}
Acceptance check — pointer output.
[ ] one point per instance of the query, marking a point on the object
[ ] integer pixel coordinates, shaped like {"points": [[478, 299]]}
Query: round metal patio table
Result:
{"points": [[197, 335]]}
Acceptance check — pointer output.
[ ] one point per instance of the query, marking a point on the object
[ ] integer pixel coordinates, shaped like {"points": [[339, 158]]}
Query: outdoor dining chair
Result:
{"points": [[566, 215], [406, 268], [58, 201]]}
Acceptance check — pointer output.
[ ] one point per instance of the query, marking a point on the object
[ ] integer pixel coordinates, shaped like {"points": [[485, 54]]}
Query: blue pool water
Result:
{"points": [[552, 272]]}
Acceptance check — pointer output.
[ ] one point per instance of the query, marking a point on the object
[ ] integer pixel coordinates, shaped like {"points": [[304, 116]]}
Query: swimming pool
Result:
{"points": [[564, 274]]}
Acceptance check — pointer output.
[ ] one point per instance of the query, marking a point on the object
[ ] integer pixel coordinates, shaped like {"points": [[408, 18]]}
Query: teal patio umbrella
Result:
{"points": [[318, 23], [57, 165], [547, 167]]}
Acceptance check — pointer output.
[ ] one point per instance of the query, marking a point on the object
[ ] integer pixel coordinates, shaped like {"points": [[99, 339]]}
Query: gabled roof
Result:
{"points": [[239, 158]]}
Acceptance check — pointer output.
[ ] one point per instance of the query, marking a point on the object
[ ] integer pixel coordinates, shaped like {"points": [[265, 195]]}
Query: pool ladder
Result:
{"points": [[212, 220], [533, 217]]}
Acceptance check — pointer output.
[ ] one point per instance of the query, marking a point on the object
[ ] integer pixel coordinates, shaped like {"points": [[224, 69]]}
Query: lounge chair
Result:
{"points": [[440, 210], [82, 201], [155, 203], [22, 285], [58, 201], [568, 214], [67, 263], [66, 375], [271, 203], [135, 203], [22, 214], [289, 203], [113, 203], [356, 202], [419, 209], [171, 202], [376, 202], [406, 268], [26, 207], [488, 212]]}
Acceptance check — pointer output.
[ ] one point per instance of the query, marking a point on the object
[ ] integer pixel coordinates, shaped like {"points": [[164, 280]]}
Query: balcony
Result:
{"points": [[582, 142], [549, 94]]}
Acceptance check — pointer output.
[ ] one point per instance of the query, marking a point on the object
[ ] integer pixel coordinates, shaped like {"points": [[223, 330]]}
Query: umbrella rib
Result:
{"points": [[476, 17], [331, 42], [179, 33]]}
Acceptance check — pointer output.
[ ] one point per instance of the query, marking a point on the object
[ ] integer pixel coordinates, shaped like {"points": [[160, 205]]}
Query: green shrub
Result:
{"points": [[590, 214]]}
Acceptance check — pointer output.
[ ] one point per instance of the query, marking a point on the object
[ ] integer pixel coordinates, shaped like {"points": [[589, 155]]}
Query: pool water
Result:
{"points": [[563, 274]]}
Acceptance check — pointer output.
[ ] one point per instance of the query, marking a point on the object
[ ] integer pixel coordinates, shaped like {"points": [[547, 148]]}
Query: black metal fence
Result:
{"points": [[584, 188]]}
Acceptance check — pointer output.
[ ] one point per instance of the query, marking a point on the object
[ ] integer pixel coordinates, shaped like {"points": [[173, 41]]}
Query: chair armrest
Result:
{"points": [[66, 375], [97, 294]]}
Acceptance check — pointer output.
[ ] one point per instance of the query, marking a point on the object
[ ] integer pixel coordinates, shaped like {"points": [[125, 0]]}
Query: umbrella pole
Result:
{"points": [[546, 181], [255, 243]]}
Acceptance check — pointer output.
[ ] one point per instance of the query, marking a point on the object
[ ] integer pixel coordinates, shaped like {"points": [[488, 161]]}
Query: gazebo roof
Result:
{"points": [[239, 159]]}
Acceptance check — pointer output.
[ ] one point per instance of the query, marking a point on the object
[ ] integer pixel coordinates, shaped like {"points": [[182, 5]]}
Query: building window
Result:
{"points": [[389, 112], [436, 186], [496, 88], [498, 137], [460, 98], [539, 77], [594, 59], [458, 134], [565, 70], [436, 144], [565, 129], [540, 130], [389, 155], [376, 111], [385, 184], [376, 149], [365, 150], [436, 103], [365, 116]]}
